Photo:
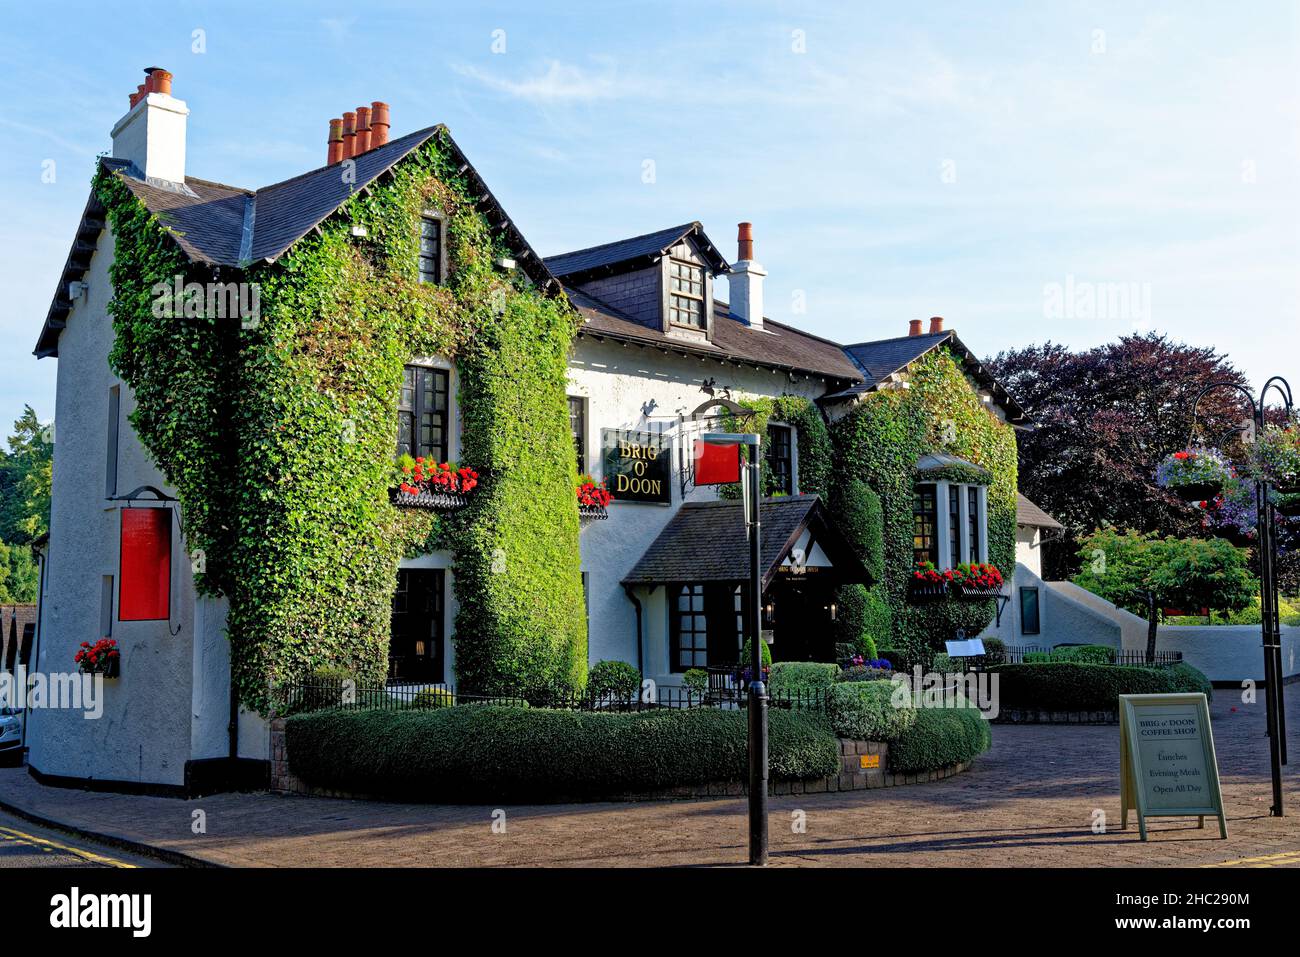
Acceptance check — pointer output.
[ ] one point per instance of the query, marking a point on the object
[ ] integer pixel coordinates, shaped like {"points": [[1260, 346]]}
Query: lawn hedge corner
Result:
{"points": [[491, 753], [1078, 686]]}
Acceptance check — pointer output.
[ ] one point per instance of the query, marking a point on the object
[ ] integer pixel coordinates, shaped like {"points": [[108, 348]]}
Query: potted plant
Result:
{"points": [[101, 658], [593, 498], [1195, 475], [1275, 457], [976, 580], [927, 582], [424, 483]]}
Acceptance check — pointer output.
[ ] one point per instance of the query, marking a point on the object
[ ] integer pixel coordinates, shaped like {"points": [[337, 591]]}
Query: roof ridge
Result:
{"points": [[681, 231], [429, 130], [919, 335]]}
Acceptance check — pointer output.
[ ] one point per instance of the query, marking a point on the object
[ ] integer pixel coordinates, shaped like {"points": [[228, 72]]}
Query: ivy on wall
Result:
{"points": [[880, 441], [280, 437], [812, 441]]}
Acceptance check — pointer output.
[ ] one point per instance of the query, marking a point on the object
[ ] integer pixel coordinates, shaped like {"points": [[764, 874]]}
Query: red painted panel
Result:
{"points": [[716, 463], [145, 582]]}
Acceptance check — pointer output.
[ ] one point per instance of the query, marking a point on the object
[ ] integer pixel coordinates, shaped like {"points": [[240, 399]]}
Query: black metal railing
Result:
{"points": [[317, 694]]}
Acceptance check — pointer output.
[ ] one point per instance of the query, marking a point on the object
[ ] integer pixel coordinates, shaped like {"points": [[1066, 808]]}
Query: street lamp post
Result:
{"points": [[1270, 626]]}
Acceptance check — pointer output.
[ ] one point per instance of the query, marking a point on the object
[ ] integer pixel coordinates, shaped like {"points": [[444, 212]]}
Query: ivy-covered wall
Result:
{"points": [[812, 441], [879, 443], [280, 437]]}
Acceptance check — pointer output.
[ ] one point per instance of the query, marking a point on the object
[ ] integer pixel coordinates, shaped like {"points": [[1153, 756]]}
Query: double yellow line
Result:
{"points": [[9, 834], [1281, 859]]}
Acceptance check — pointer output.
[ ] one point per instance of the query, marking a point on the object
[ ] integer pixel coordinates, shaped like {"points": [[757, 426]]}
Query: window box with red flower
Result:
{"points": [[101, 658], [593, 499], [424, 483], [927, 583], [973, 581]]}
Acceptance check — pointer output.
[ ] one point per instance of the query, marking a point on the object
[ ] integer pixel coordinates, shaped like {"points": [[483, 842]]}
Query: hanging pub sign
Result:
{"points": [[1167, 762], [145, 578], [638, 466], [717, 462]]}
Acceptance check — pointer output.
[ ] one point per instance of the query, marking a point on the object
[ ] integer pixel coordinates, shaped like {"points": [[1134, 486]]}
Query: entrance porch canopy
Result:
{"points": [[706, 542]]}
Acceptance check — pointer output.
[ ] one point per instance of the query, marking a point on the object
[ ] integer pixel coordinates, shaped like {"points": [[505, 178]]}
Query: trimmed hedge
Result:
{"points": [[1075, 686], [939, 737], [492, 753], [802, 676], [865, 711]]}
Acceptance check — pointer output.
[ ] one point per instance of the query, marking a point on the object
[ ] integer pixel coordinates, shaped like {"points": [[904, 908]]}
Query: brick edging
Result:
{"points": [[856, 774]]}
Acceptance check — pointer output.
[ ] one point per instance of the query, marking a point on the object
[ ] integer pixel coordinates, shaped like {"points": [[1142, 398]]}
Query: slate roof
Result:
{"points": [[223, 225], [775, 346], [706, 542], [1027, 513], [882, 358], [584, 263]]}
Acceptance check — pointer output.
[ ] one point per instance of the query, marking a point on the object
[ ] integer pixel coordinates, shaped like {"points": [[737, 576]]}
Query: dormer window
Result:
{"points": [[686, 295], [432, 264]]}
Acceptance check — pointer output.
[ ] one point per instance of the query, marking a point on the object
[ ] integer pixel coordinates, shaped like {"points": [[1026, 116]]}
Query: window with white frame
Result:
{"points": [[686, 294]]}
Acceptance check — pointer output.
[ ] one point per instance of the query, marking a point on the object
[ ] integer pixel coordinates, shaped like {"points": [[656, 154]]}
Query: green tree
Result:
{"points": [[1145, 573], [25, 474]]}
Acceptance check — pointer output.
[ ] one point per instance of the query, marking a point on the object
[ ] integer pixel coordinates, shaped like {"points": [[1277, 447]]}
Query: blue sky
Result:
{"points": [[897, 163]]}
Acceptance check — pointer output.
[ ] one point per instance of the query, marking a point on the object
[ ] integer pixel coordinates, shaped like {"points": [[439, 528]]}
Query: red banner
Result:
{"points": [[716, 463], [145, 582]]}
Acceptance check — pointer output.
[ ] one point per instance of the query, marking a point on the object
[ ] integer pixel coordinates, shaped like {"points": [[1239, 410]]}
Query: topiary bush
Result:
{"points": [[937, 738], [492, 753], [867, 711], [433, 698], [1073, 686], [696, 680], [794, 677], [613, 679], [747, 652]]}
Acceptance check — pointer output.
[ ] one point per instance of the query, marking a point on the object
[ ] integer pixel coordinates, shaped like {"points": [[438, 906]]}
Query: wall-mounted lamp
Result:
{"points": [[835, 611], [769, 614]]}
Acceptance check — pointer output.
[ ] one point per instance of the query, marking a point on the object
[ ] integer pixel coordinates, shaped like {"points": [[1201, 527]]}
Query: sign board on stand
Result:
{"points": [[1167, 762]]}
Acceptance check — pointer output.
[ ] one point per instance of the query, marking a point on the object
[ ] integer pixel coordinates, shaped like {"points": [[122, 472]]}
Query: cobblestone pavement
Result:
{"points": [[1029, 802]]}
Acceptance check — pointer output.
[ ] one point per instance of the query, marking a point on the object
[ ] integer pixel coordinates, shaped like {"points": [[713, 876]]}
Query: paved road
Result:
{"points": [[1032, 801], [23, 844]]}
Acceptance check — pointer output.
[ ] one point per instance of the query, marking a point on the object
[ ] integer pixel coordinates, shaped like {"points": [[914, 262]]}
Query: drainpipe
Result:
{"points": [[234, 716], [640, 650]]}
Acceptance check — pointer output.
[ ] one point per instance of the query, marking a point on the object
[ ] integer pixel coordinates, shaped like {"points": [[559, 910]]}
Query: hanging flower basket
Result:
{"points": [[1287, 504], [440, 486], [1275, 457], [101, 658], [593, 499], [1195, 475]]}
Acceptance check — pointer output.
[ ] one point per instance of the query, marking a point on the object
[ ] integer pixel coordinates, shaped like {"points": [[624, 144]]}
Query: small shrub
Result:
{"points": [[945, 665], [937, 738], [1036, 657], [613, 679], [433, 698], [864, 673], [795, 677], [696, 681], [995, 651], [865, 711], [1184, 679], [1085, 654], [747, 652]]}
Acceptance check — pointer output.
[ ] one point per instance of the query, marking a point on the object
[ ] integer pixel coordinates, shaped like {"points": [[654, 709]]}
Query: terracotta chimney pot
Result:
{"points": [[160, 81], [363, 129], [349, 135], [745, 241], [335, 141], [378, 124], [936, 324]]}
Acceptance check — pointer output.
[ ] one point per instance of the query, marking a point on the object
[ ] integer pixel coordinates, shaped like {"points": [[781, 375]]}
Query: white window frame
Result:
{"points": [[944, 521]]}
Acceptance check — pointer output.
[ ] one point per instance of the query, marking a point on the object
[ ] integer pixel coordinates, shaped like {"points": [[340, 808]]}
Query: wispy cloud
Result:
{"points": [[556, 83]]}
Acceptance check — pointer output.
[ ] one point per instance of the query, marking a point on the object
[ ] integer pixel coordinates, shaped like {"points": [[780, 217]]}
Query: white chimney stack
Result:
{"points": [[746, 281], [152, 134]]}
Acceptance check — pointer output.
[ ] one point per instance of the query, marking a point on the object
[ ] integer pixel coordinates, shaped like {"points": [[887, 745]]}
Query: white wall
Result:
{"points": [[617, 381], [146, 731], [1228, 652]]}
